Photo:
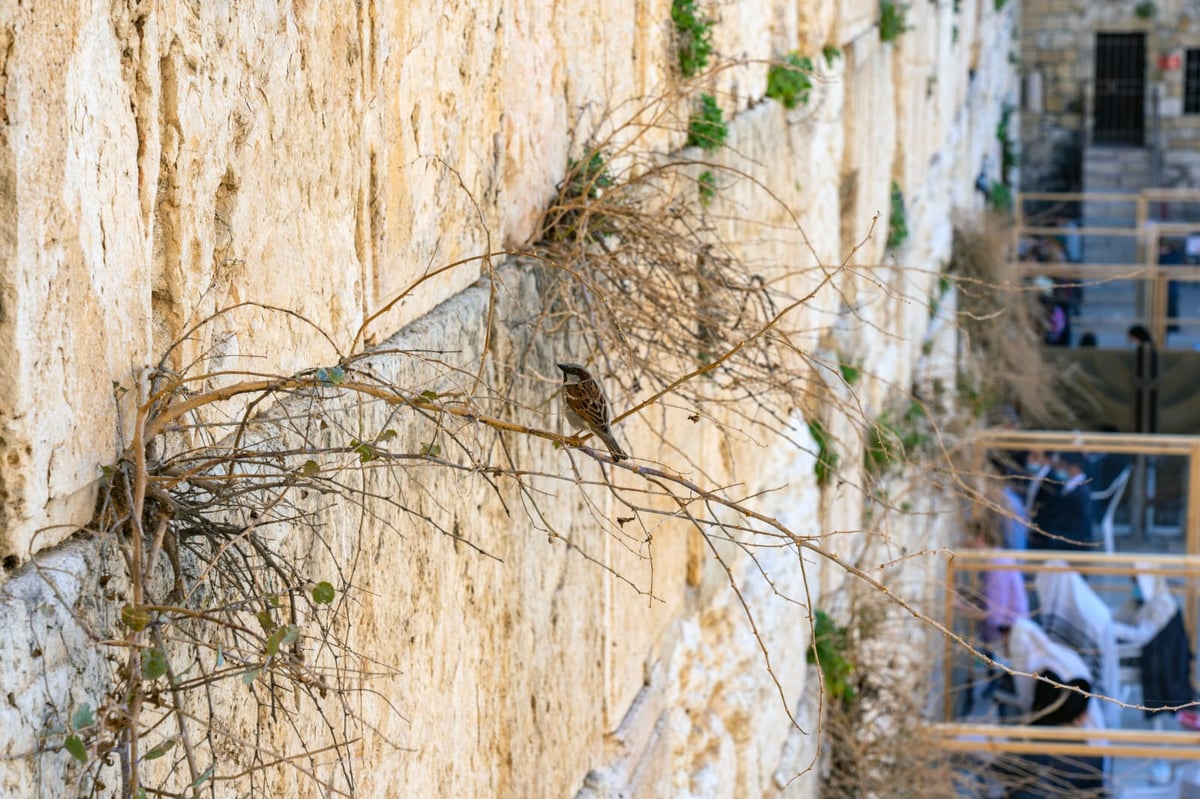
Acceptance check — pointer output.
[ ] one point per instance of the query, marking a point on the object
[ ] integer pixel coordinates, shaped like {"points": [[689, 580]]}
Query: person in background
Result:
{"points": [[1171, 254], [1056, 321], [1011, 503], [1152, 620], [1072, 519], [1145, 404], [1088, 339], [1053, 776], [1071, 241], [1041, 498], [1105, 467], [1003, 598], [1016, 518], [1031, 651], [995, 599], [1073, 615]]}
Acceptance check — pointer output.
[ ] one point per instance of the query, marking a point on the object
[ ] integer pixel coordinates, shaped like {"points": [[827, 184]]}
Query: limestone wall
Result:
{"points": [[161, 161]]}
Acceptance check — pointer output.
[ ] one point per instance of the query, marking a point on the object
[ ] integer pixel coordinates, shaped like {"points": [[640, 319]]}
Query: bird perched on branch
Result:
{"points": [[587, 407]]}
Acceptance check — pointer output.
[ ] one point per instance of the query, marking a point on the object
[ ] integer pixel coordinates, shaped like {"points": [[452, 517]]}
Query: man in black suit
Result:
{"points": [[1041, 499], [1072, 520]]}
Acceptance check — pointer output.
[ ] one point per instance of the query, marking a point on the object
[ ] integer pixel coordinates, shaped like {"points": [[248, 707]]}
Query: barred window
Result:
{"points": [[1191, 83], [1120, 93]]}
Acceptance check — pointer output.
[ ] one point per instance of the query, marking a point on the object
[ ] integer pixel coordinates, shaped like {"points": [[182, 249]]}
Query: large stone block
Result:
{"points": [[870, 141], [855, 19]]}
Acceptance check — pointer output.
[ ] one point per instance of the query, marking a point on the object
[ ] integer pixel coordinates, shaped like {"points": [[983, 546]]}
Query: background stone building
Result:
{"points": [[1110, 94], [308, 163]]}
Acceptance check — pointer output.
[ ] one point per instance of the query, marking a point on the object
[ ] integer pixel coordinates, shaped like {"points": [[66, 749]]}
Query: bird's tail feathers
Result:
{"points": [[611, 442]]}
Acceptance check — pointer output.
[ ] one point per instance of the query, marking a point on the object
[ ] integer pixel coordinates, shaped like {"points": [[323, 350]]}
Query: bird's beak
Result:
{"points": [[562, 366]]}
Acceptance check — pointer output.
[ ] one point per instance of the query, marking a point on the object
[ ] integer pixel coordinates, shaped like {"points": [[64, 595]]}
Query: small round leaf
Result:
{"points": [[82, 717], [75, 746], [322, 593], [136, 619], [154, 664]]}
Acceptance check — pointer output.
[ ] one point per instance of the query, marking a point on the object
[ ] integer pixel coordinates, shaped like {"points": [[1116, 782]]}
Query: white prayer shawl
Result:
{"points": [[1031, 650], [1136, 623], [1071, 613]]}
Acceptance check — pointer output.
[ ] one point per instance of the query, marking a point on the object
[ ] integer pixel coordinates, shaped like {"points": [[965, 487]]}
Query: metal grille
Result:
{"points": [[1120, 89], [1191, 83]]}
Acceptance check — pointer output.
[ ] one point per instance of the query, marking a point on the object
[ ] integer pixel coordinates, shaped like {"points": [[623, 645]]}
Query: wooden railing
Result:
{"points": [[1147, 232], [1183, 569]]}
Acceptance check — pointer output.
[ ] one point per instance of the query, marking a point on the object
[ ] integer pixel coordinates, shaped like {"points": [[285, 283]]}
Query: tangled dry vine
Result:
{"points": [[220, 508]]}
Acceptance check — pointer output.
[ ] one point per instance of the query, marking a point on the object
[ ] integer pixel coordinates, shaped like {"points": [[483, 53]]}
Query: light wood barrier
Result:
{"points": [[1146, 231], [1071, 741]]}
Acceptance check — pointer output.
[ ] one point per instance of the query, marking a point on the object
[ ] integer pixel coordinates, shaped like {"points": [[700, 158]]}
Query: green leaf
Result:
{"points": [[850, 372], [135, 619], [333, 375], [160, 750], [386, 435], [250, 676], [706, 126], [282, 637], [310, 468], [75, 746], [790, 81], [708, 187], [274, 601], [82, 717], [429, 396], [265, 621], [205, 776], [322, 593], [431, 449], [366, 452], [693, 37], [154, 664]]}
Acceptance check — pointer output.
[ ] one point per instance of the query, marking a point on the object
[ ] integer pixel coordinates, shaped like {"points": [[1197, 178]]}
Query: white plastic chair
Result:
{"points": [[1112, 494]]}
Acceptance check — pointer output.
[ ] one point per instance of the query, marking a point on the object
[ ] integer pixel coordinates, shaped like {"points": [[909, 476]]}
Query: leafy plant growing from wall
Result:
{"points": [[830, 650], [893, 20], [999, 195], [897, 219], [693, 37], [850, 371], [791, 81], [895, 438], [706, 126], [870, 692], [707, 184], [831, 54], [826, 464]]}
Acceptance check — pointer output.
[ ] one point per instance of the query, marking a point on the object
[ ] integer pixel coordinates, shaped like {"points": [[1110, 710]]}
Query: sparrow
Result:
{"points": [[587, 407]]}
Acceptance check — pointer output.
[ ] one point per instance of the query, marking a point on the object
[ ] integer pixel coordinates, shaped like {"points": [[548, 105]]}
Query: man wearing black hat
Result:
{"points": [[1073, 513]]}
